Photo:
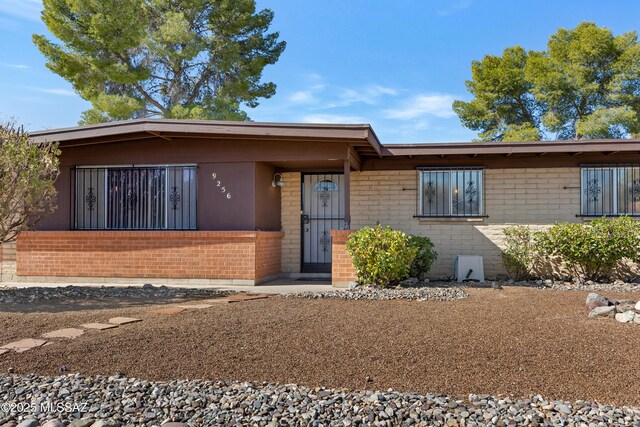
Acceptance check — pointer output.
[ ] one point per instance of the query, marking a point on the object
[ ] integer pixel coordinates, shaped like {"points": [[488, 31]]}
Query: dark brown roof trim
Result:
{"points": [[355, 132], [359, 134], [509, 148]]}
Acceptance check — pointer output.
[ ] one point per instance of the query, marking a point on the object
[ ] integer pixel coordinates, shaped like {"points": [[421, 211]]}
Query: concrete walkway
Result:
{"points": [[277, 286]]}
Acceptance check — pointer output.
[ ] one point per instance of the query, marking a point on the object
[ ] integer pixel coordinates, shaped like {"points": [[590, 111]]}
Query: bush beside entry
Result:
{"points": [[425, 257], [383, 256]]}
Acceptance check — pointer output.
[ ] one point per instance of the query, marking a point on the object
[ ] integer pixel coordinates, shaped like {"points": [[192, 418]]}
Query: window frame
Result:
{"points": [[420, 183], [105, 168], [614, 186]]}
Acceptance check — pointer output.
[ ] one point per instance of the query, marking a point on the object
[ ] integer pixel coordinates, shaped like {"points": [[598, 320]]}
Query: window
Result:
{"points": [[610, 190], [457, 192], [135, 198]]}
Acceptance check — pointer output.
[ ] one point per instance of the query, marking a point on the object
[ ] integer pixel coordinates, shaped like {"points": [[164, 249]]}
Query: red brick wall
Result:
{"points": [[342, 271], [244, 255], [268, 254]]}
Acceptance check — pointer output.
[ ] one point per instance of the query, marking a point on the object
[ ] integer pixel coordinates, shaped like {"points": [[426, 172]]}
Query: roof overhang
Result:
{"points": [[540, 148], [361, 136], [362, 140]]}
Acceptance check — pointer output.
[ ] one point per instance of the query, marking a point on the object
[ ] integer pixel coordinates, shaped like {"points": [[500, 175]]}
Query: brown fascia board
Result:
{"points": [[352, 132], [480, 148]]}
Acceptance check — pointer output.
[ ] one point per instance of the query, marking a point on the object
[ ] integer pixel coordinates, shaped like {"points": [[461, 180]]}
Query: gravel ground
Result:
{"points": [[130, 401], [516, 341], [422, 293], [451, 291], [81, 297]]}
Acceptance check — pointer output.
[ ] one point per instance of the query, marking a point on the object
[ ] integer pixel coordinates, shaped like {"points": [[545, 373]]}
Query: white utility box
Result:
{"points": [[469, 267]]}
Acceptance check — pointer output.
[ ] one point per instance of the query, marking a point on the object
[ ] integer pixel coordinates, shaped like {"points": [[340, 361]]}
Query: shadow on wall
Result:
{"points": [[486, 241], [451, 240]]}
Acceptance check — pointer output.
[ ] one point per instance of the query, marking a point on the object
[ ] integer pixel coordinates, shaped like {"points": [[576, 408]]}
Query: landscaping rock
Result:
{"points": [[105, 423], [589, 306], [637, 307], [370, 293], [625, 306], [180, 403], [626, 317], [588, 286], [12, 295], [603, 311], [412, 281], [598, 298]]}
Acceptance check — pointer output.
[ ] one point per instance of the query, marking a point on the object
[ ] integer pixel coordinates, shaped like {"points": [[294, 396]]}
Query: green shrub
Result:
{"points": [[592, 251], [518, 254], [381, 255], [425, 256]]}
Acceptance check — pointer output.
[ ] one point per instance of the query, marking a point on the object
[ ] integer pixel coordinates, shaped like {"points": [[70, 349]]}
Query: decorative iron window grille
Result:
{"points": [[610, 190], [450, 192], [135, 198]]}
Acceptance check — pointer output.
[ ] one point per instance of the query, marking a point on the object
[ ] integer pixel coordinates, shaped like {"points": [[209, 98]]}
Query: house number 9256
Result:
{"points": [[220, 185]]}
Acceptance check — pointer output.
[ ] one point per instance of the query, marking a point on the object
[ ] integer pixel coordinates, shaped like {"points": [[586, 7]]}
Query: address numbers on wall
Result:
{"points": [[220, 185]]}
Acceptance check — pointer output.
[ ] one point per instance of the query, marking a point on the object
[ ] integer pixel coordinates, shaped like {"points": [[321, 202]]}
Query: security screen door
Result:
{"points": [[322, 211]]}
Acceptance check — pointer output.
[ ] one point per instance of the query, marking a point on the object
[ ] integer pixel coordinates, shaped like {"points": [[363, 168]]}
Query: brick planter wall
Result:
{"points": [[342, 271], [243, 256], [7, 262]]}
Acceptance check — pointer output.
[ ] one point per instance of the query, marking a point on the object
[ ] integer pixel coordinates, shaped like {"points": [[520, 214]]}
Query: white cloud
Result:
{"points": [[369, 95], [314, 77], [425, 105], [53, 91], [302, 97], [27, 9], [382, 90], [19, 66], [333, 118], [62, 92]]}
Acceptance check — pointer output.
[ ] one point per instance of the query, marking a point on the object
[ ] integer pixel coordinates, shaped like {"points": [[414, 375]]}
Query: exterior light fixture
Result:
{"points": [[277, 180]]}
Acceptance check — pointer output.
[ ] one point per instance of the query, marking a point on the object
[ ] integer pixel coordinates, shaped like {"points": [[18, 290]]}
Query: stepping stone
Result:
{"points": [[99, 326], [223, 300], [195, 306], [23, 345], [168, 310], [123, 320], [68, 333], [247, 297]]}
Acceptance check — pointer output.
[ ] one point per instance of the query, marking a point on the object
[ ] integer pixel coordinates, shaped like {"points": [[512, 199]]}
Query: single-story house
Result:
{"points": [[245, 202]]}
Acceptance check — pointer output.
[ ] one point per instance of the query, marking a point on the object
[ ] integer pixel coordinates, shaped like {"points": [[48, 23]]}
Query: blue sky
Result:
{"points": [[395, 64]]}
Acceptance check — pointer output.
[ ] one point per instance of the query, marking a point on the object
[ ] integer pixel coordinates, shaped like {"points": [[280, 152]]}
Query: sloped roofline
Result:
{"points": [[346, 132], [343, 132]]}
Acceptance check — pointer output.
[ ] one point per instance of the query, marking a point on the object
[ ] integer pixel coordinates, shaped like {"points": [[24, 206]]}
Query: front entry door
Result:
{"points": [[322, 211]]}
